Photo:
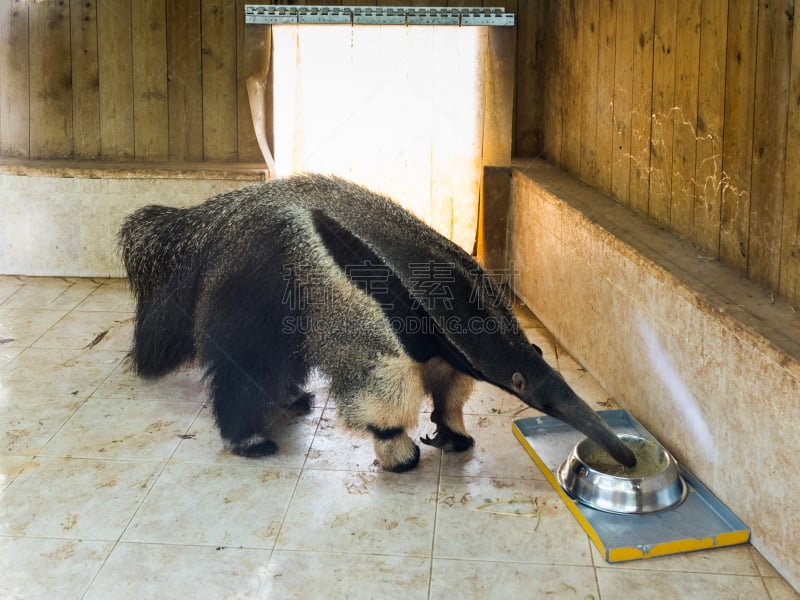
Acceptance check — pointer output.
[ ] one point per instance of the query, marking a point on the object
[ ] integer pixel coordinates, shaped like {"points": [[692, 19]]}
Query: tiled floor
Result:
{"points": [[114, 487]]}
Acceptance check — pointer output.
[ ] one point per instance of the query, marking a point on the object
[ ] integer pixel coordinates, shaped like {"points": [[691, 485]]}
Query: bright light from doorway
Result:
{"points": [[398, 109]]}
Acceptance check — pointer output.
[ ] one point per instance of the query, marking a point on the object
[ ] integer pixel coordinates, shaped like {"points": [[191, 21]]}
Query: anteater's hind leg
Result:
{"points": [[450, 390], [253, 369], [163, 329]]}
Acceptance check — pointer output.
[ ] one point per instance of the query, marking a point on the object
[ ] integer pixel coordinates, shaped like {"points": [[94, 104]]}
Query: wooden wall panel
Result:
{"points": [[185, 77], [604, 105], [642, 103], [115, 68], [659, 201], [14, 79], [623, 104], [680, 136], [710, 121], [702, 120], [250, 48], [553, 83], [150, 99], [85, 80], [570, 65], [790, 246], [219, 80], [588, 13], [528, 125], [50, 80], [684, 118], [737, 151], [773, 63]]}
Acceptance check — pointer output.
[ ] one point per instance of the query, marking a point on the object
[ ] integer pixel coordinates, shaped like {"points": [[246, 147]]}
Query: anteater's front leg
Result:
{"points": [[450, 390]]}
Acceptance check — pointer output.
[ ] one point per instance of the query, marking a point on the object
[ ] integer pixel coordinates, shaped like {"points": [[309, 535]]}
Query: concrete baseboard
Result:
{"points": [[61, 218]]}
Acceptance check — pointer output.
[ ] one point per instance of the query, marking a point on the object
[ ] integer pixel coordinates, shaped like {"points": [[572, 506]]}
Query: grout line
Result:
{"points": [[435, 518]]}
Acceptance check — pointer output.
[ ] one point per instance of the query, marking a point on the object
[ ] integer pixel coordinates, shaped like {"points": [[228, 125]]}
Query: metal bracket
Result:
{"points": [[270, 14]]}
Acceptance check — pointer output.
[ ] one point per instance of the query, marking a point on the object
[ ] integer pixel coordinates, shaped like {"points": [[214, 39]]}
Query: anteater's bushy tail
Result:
{"points": [[157, 252]]}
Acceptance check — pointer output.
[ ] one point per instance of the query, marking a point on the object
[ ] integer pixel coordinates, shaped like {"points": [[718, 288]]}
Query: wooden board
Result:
{"points": [[710, 121], [642, 103], [185, 80], [684, 142], [552, 121], [740, 72], [569, 67], [115, 68], [773, 64], [219, 79], [250, 54], [150, 102], [85, 80], [661, 146], [790, 246], [588, 12], [623, 104], [604, 105], [14, 80], [50, 80], [530, 74]]}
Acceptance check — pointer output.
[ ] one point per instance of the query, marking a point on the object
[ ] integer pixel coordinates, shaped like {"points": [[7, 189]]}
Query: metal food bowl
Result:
{"points": [[595, 479]]}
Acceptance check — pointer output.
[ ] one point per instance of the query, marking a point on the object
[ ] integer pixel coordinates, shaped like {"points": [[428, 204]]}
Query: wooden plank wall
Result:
{"points": [[154, 80], [687, 111]]}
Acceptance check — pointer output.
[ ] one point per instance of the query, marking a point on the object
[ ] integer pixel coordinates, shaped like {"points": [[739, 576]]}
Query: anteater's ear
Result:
{"points": [[539, 350]]}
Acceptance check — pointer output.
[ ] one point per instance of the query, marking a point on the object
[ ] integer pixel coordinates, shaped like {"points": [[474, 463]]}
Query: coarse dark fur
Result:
{"points": [[265, 283]]}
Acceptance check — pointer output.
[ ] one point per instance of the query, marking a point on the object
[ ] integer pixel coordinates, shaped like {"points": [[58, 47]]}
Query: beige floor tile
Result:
{"points": [[112, 295], [26, 429], [49, 568], [46, 374], [635, 584], [52, 293], [302, 575], [480, 580], [7, 354], [184, 384], [125, 430], [359, 512], [10, 467], [293, 435], [21, 327], [214, 505], [336, 448], [488, 399], [83, 330], [779, 589], [542, 338], [764, 568], [9, 285], [75, 498], [496, 453], [196, 519], [566, 360], [138, 571], [588, 388], [525, 317], [735, 560], [508, 520]]}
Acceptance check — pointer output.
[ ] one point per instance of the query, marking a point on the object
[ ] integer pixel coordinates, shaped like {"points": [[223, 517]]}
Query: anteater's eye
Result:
{"points": [[518, 382]]}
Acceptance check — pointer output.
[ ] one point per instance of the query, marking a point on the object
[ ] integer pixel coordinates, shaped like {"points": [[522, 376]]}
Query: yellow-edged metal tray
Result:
{"points": [[701, 522]]}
